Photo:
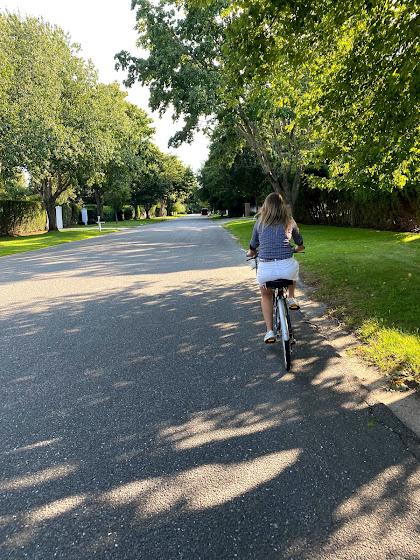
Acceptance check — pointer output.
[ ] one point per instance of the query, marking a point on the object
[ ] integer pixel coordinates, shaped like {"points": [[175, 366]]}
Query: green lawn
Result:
{"points": [[371, 282], [11, 245]]}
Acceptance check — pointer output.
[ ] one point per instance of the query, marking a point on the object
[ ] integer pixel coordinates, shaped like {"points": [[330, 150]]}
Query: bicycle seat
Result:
{"points": [[281, 283]]}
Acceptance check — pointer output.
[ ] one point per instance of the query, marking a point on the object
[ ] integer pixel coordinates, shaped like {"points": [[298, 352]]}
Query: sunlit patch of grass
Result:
{"points": [[11, 245], [396, 353]]}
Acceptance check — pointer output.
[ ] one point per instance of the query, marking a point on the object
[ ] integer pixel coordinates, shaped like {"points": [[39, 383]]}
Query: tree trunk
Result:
{"points": [[249, 131], [49, 202], [162, 212], [99, 199]]}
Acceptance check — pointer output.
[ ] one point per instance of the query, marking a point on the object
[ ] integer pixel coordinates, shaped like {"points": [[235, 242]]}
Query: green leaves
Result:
{"points": [[57, 121]]}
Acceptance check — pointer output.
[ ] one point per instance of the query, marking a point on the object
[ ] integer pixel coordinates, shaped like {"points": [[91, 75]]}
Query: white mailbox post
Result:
{"points": [[99, 223], [59, 217]]}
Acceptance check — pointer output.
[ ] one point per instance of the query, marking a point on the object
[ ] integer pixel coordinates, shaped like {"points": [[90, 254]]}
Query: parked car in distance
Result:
{"points": [[204, 211]]}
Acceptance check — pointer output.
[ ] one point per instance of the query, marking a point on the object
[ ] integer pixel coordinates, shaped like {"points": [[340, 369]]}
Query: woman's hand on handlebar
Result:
{"points": [[251, 253], [299, 248]]}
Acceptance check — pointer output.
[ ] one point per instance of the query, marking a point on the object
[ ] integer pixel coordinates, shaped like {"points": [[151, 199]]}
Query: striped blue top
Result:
{"points": [[274, 241]]}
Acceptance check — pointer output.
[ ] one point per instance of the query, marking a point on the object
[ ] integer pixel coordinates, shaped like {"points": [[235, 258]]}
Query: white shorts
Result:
{"points": [[287, 269]]}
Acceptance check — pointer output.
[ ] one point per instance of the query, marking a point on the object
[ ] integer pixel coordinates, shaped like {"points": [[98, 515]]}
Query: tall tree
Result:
{"points": [[231, 175], [363, 57], [49, 93], [117, 155], [188, 68], [148, 187], [58, 122]]}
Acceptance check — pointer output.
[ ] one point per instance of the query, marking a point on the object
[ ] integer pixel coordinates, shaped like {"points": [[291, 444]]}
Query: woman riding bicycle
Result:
{"points": [[273, 230]]}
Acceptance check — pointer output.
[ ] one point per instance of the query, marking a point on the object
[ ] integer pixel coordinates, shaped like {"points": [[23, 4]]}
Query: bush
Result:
{"points": [[92, 210], [109, 214], [71, 213], [127, 213], [22, 216], [362, 208]]}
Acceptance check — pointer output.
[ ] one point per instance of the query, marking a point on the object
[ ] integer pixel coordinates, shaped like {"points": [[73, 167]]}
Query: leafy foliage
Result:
{"points": [[189, 68], [231, 175], [59, 123], [362, 59]]}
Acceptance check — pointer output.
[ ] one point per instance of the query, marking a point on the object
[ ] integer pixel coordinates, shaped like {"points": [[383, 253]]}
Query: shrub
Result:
{"points": [[109, 214], [127, 213], [92, 210], [22, 216], [362, 208], [71, 213]]}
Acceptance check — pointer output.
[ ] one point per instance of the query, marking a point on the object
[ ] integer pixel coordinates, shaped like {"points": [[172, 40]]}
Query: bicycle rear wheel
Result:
{"points": [[284, 331]]}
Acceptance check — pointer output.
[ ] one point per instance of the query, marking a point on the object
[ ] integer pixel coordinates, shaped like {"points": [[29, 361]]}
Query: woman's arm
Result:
{"points": [[254, 243], [297, 238]]}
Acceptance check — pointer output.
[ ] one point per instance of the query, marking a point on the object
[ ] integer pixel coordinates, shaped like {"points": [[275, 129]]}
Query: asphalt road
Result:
{"points": [[142, 417]]}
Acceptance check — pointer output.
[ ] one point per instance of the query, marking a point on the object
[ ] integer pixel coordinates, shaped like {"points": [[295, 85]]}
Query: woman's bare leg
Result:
{"points": [[267, 307], [292, 289]]}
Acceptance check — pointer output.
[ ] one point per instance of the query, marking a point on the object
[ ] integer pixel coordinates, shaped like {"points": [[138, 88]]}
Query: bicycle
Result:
{"points": [[282, 325]]}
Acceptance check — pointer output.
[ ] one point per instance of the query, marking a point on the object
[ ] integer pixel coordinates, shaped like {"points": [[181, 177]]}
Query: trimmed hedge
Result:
{"points": [[92, 210], [362, 208], [22, 216], [71, 213]]}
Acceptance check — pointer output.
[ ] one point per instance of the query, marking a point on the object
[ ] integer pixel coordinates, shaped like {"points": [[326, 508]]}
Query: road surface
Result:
{"points": [[142, 417]]}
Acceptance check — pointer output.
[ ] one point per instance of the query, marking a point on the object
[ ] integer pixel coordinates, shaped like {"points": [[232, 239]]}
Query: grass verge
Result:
{"points": [[371, 282], [11, 245]]}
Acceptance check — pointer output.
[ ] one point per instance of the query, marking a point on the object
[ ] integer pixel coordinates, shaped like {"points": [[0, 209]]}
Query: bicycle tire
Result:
{"points": [[285, 335], [276, 323], [289, 324]]}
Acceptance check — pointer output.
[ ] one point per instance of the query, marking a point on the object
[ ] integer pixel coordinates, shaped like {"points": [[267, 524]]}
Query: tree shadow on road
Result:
{"points": [[154, 424]]}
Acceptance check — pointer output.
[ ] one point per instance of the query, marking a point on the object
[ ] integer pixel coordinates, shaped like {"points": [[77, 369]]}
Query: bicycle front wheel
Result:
{"points": [[285, 335]]}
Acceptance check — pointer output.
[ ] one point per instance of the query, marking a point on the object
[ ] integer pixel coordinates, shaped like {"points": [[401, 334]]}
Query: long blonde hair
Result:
{"points": [[274, 212]]}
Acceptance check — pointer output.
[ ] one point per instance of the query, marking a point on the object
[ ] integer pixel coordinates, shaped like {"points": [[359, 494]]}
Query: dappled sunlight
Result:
{"points": [[92, 373], [41, 477], [31, 522], [123, 384], [226, 326], [33, 446], [54, 509], [18, 380], [223, 423], [135, 359], [144, 416], [408, 237], [375, 510], [200, 488]]}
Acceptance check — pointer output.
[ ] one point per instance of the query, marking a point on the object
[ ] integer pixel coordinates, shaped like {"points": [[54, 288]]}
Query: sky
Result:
{"points": [[103, 28]]}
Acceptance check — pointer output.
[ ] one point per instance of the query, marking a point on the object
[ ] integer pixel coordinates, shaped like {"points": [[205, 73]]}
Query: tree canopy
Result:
{"points": [[303, 81], [59, 124], [363, 61], [189, 68]]}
